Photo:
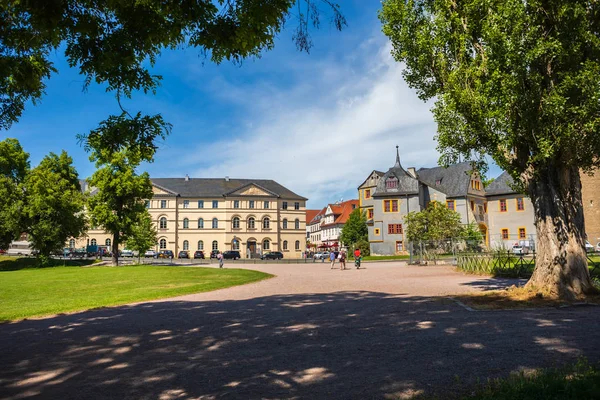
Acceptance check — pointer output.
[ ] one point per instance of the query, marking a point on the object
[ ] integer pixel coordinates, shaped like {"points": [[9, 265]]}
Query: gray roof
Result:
{"points": [[217, 187], [501, 185], [453, 180], [407, 184]]}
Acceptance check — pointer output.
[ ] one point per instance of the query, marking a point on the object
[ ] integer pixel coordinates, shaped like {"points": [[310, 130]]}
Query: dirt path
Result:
{"points": [[310, 333]]}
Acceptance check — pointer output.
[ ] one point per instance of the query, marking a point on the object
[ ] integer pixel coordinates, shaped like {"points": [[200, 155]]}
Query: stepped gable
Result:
{"points": [[406, 183], [453, 180]]}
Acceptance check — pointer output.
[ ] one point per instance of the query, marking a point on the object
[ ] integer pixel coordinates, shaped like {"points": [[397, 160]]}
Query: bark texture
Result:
{"points": [[115, 250], [561, 263]]}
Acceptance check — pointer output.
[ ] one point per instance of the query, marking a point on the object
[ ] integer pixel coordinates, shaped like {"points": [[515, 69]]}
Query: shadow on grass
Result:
{"points": [[342, 345], [18, 263]]}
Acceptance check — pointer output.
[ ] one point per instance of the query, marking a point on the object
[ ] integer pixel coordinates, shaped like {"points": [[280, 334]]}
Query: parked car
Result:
{"points": [[321, 255], [520, 250], [183, 254], [165, 254], [126, 253], [199, 254], [213, 254], [273, 255], [231, 255], [598, 247], [150, 253], [588, 247]]}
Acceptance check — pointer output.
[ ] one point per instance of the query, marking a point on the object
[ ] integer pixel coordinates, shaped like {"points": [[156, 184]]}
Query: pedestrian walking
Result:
{"points": [[332, 258], [342, 260], [220, 258]]}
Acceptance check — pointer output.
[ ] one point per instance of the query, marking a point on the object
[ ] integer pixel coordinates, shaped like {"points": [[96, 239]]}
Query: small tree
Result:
{"points": [[436, 223], [472, 237], [55, 204], [14, 166], [143, 235], [355, 229]]}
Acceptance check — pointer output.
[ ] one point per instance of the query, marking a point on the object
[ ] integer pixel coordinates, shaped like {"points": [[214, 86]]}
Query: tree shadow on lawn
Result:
{"points": [[495, 283], [343, 345], [16, 264]]}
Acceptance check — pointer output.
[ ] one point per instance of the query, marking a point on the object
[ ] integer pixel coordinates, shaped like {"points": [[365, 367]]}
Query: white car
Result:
{"points": [[520, 250], [598, 247], [588, 247], [126, 253], [321, 255], [150, 253]]}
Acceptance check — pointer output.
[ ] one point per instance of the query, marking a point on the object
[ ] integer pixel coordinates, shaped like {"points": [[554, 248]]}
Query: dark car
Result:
{"points": [[165, 254], [213, 254], [231, 255], [183, 254], [274, 255], [199, 254]]}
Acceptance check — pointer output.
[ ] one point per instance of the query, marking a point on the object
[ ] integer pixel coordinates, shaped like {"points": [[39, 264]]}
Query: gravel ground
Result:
{"points": [[310, 333]]}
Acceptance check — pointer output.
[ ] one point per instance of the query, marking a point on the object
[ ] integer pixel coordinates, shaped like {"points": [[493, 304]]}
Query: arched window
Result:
{"points": [[266, 244], [186, 245], [215, 245], [72, 243], [162, 244], [297, 245], [285, 246], [297, 224], [93, 242], [107, 242], [200, 223], [284, 223], [163, 223], [215, 223], [266, 223], [236, 222], [251, 223], [235, 244], [186, 223], [200, 245]]}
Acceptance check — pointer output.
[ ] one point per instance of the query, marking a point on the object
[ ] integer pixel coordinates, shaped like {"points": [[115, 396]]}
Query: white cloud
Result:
{"points": [[323, 136]]}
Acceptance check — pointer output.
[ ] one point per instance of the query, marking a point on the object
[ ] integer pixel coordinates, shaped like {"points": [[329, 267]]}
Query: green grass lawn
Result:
{"points": [[46, 291]]}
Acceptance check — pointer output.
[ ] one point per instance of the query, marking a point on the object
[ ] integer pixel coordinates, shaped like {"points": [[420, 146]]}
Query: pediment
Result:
{"points": [[252, 190], [159, 190]]}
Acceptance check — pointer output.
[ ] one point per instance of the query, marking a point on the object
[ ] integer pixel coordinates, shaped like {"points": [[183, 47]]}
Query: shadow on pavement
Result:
{"points": [[344, 345], [495, 283]]}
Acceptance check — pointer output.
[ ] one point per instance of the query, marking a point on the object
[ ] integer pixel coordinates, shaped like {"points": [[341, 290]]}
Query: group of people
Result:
{"points": [[342, 259]]}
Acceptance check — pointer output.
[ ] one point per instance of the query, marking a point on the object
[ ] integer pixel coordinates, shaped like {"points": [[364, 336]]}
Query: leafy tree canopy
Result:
{"points": [[55, 204], [434, 223], [355, 229], [14, 166], [143, 234], [116, 42]]}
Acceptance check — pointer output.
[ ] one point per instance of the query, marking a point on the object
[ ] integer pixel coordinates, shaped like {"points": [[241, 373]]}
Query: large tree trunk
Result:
{"points": [[561, 263], [115, 250]]}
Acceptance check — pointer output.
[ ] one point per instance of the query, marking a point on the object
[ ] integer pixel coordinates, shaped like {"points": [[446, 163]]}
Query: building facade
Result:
{"points": [[327, 224], [590, 194], [252, 216]]}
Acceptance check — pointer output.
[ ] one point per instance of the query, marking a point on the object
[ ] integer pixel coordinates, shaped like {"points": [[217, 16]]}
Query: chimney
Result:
{"points": [[226, 179], [412, 171], [187, 177]]}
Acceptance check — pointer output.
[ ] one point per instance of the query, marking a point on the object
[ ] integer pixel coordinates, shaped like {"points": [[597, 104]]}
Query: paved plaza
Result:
{"points": [[386, 331]]}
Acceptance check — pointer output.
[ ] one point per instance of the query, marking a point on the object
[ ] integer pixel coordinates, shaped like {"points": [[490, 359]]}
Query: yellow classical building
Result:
{"points": [[253, 216]]}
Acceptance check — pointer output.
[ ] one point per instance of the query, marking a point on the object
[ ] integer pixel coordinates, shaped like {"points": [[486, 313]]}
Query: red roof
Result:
{"points": [[342, 211], [310, 214]]}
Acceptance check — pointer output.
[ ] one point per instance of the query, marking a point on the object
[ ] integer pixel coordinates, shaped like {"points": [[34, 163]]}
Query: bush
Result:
{"points": [[365, 248]]}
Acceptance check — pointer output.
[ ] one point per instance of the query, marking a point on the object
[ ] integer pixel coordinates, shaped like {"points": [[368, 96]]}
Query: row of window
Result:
{"points": [[266, 223], [476, 185], [93, 242], [506, 236], [236, 204], [235, 245], [520, 204], [393, 229]]}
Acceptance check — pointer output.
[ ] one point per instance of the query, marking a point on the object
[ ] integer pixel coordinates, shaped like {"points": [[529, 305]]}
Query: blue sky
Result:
{"points": [[317, 123]]}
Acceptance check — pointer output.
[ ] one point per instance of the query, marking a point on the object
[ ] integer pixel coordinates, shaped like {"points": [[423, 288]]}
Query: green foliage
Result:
{"points": [[573, 382], [364, 246], [143, 234], [434, 223], [116, 42], [517, 80], [55, 204], [47, 291], [14, 166], [472, 236], [355, 229]]}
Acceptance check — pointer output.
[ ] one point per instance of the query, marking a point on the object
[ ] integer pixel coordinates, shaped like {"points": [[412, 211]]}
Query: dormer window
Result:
{"points": [[438, 182], [391, 183]]}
